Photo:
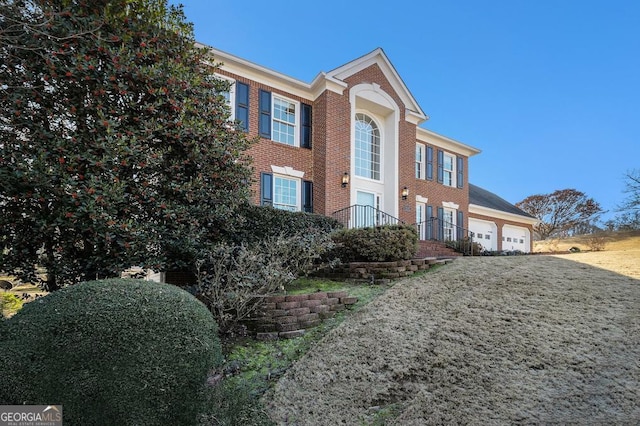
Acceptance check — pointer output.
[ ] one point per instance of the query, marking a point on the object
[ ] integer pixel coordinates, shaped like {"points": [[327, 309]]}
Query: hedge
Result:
{"points": [[376, 244], [111, 352]]}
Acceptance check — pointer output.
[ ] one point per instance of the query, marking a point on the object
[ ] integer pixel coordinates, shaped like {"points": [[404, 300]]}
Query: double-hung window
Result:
{"points": [[448, 170], [286, 193], [420, 161], [367, 147], [284, 121]]}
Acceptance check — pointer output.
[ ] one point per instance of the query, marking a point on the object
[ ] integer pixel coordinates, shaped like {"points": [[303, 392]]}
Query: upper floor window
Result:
{"points": [[284, 121], [448, 170], [420, 161], [229, 96], [367, 147]]}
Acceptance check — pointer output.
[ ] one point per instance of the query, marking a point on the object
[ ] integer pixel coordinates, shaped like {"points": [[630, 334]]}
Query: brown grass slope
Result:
{"points": [[495, 340]]}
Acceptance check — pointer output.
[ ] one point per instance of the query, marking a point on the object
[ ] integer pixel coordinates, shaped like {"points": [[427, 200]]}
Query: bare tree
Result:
{"points": [[628, 216], [560, 212]]}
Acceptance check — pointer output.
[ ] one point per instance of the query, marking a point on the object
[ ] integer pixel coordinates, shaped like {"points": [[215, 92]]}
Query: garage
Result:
{"points": [[516, 238], [484, 233]]}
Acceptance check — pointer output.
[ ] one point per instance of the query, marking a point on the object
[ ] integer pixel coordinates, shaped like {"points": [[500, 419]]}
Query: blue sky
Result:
{"points": [[548, 90]]}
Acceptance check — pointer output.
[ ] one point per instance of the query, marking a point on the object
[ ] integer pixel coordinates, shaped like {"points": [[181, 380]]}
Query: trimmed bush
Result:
{"points": [[379, 244], [259, 223], [111, 352]]}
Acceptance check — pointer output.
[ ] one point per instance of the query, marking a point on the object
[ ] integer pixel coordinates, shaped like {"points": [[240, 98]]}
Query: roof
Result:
{"points": [[482, 197]]}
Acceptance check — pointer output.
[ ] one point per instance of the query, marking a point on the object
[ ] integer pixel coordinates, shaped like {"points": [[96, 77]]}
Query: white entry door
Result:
{"points": [[366, 210]]}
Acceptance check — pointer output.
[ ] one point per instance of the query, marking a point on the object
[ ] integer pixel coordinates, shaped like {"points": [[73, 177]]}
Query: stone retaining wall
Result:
{"points": [[372, 271], [288, 316]]}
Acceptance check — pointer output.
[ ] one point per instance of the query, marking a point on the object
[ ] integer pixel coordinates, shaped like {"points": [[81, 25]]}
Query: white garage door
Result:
{"points": [[484, 233], [515, 238]]}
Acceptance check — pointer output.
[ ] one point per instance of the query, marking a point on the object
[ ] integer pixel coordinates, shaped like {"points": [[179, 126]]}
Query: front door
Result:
{"points": [[366, 209]]}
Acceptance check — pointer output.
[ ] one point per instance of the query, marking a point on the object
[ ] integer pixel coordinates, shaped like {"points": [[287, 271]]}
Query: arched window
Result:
{"points": [[367, 148]]}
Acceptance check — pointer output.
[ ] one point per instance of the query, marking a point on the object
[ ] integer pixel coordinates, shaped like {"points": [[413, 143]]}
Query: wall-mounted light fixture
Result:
{"points": [[345, 179], [405, 193]]}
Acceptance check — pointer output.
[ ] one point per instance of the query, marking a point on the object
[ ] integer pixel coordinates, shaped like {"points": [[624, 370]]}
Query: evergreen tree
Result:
{"points": [[115, 142]]}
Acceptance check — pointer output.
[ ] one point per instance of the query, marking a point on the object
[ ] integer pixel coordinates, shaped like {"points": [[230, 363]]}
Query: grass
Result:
{"points": [[614, 241], [253, 367], [10, 304]]}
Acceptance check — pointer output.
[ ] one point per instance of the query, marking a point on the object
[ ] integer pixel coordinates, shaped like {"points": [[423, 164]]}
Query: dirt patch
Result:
{"points": [[485, 340]]}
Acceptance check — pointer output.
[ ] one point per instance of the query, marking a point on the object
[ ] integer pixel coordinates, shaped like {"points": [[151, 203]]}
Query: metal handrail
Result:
{"points": [[361, 216], [436, 229]]}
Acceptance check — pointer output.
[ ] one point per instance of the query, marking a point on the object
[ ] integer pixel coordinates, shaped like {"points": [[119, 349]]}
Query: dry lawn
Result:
{"points": [[484, 340]]}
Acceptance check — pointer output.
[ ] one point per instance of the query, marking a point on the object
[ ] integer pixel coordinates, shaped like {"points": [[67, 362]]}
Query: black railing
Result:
{"points": [[361, 216], [456, 237]]}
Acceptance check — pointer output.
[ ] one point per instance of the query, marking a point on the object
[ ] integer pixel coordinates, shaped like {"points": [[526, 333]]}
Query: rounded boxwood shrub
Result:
{"points": [[111, 352], [379, 244]]}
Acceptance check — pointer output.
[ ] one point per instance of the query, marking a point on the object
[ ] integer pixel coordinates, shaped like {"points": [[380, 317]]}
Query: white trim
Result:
{"points": [[378, 57], [498, 214], [448, 144], [380, 130], [371, 100], [423, 161], [287, 171], [296, 118], [453, 170], [421, 199], [298, 203], [450, 205]]}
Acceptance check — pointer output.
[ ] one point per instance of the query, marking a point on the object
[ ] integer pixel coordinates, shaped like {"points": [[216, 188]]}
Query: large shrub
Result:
{"points": [[379, 244], [255, 224], [111, 352]]}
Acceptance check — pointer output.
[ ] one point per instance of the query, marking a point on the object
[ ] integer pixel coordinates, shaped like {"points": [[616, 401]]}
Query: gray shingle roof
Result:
{"points": [[482, 197]]}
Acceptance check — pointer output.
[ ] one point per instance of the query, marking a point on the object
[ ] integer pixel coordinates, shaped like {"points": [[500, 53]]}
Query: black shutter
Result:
{"points": [[305, 125], [440, 166], [460, 171], [307, 196], [266, 189], [264, 127], [430, 222], [460, 224], [242, 105], [430, 163], [440, 223]]}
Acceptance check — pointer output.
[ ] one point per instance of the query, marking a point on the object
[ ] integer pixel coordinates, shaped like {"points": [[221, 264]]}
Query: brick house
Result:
{"points": [[349, 144]]}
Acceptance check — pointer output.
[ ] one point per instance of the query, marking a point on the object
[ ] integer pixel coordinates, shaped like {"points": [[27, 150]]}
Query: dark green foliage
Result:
{"points": [[115, 145], [379, 244], [257, 223], [111, 352]]}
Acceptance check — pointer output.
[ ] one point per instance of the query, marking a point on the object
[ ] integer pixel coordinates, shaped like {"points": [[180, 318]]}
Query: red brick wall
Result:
{"points": [[329, 157], [336, 125], [438, 193]]}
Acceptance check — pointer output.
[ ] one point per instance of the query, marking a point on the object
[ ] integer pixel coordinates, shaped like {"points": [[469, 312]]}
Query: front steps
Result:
{"points": [[433, 248]]}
